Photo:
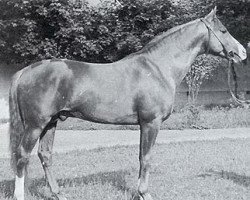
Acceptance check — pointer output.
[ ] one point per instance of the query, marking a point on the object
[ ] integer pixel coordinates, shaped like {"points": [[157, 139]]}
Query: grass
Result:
{"points": [[188, 117], [190, 170]]}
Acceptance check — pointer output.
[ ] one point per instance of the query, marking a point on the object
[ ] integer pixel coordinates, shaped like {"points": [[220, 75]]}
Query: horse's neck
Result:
{"points": [[175, 57]]}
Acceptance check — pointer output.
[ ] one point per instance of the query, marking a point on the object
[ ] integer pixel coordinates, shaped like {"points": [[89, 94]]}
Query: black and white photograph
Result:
{"points": [[125, 100]]}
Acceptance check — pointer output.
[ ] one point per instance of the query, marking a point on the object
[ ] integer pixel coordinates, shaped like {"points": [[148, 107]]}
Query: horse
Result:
{"points": [[136, 90]]}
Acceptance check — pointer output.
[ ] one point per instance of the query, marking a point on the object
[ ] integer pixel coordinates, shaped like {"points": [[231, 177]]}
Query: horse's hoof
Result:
{"points": [[18, 197], [146, 196]]}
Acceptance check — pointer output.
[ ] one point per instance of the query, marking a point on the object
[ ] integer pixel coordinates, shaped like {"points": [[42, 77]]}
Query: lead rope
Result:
{"points": [[234, 96]]}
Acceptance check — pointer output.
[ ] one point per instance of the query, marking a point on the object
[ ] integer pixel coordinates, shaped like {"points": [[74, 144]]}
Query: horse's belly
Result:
{"points": [[114, 112], [106, 115]]}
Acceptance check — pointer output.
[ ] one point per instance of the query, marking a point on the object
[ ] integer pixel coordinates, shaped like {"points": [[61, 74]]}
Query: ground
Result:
{"points": [[187, 164]]}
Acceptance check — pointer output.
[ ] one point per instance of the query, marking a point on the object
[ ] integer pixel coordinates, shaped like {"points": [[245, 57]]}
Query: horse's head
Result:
{"points": [[220, 41]]}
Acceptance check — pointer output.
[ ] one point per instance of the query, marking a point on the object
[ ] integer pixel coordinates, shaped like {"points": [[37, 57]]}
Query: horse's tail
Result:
{"points": [[16, 128]]}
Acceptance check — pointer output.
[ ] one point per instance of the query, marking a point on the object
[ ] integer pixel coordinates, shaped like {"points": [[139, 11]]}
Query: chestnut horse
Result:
{"points": [[139, 89]]}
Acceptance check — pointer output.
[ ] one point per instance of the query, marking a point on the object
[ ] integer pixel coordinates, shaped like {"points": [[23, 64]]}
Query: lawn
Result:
{"points": [[188, 170]]}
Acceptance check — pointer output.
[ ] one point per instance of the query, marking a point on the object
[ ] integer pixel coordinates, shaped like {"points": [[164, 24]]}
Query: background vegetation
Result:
{"points": [[41, 29]]}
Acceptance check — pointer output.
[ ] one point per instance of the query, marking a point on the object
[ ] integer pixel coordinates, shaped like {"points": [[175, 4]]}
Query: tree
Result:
{"points": [[200, 70], [42, 29], [235, 15]]}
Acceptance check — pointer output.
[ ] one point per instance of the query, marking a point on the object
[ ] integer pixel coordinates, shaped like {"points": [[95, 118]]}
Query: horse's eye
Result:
{"points": [[231, 54], [223, 31]]}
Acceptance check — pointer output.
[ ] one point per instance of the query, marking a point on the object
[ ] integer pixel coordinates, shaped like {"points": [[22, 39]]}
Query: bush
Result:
{"points": [[72, 29], [41, 29]]}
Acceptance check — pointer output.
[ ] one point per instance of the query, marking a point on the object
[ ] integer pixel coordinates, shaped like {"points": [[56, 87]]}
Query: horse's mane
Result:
{"points": [[157, 40]]}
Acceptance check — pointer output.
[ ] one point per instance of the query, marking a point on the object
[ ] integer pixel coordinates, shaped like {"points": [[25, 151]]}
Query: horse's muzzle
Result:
{"points": [[231, 55]]}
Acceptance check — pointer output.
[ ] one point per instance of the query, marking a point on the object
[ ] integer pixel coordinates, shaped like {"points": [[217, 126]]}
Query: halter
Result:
{"points": [[229, 55]]}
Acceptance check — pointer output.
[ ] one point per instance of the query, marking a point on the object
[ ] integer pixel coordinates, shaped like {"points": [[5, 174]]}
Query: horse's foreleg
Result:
{"points": [[45, 155], [149, 131]]}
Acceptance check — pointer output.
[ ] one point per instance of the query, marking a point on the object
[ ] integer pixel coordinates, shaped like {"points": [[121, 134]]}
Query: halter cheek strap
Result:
{"points": [[210, 29], [209, 36]]}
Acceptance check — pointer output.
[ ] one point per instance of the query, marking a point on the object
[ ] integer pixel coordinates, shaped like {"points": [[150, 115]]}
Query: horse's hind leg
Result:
{"points": [[149, 131], [45, 155], [22, 156]]}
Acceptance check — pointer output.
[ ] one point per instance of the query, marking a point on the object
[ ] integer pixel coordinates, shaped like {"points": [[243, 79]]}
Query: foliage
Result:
{"points": [[191, 116], [235, 15], [53, 28], [38, 29], [201, 69]]}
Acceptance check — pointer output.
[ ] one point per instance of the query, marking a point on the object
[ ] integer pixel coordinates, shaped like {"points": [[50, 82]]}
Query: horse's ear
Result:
{"points": [[215, 10], [212, 14]]}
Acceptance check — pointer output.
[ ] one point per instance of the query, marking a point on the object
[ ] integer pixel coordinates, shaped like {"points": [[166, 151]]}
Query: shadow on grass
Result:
{"points": [[232, 176], [116, 179]]}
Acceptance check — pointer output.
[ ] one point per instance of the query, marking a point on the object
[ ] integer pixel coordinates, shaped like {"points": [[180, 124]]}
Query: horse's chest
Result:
{"points": [[155, 102]]}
